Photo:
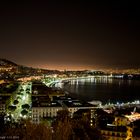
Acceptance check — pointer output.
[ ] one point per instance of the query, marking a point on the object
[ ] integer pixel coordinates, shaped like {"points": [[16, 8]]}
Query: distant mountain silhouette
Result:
{"points": [[20, 69], [7, 63]]}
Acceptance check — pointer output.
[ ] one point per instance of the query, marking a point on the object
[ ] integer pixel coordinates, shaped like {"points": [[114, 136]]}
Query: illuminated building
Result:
{"points": [[122, 127]]}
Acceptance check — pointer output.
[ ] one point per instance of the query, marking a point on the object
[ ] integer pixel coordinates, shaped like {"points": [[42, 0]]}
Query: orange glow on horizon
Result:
{"points": [[65, 67]]}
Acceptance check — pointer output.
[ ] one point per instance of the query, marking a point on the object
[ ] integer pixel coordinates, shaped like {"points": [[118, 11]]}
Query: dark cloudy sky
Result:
{"points": [[71, 35]]}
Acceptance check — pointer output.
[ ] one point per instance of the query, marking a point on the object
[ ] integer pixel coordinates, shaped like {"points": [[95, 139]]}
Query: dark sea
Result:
{"points": [[104, 89]]}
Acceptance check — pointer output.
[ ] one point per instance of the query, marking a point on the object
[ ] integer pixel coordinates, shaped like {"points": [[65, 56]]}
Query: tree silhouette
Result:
{"points": [[63, 128], [15, 102], [62, 115], [24, 112], [25, 106], [11, 108]]}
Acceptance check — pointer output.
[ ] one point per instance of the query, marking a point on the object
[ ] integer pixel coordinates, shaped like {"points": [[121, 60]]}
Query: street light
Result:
{"points": [[23, 98]]}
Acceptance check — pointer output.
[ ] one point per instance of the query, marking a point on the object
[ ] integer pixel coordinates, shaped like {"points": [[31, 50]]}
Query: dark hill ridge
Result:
{"points": [[20, 70], [7, 63]]}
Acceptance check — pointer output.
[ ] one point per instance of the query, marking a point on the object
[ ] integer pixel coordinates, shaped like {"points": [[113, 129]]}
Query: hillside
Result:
{"points": [[7, 63]]}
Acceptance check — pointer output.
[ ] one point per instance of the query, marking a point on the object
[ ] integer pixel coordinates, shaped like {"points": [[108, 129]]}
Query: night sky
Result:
{"points": [[74, 35]]}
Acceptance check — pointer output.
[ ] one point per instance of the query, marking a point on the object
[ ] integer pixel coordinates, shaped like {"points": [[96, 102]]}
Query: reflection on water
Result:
{"points": [[91, 80], [104, 89]]}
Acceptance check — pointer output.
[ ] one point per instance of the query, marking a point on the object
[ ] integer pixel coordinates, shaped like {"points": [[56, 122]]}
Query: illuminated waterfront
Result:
{"points": [[106, 90]]}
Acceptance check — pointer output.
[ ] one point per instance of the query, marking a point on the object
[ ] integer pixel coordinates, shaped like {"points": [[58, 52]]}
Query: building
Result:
{"points": [[41, 108], [114, 133], [3, 103], [122, 128], [74, 105]]}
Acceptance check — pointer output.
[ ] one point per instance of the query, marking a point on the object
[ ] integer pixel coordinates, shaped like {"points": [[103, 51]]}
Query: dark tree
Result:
{"points": [[12, 108], [16, 102], [24, 112], [25, 106]]}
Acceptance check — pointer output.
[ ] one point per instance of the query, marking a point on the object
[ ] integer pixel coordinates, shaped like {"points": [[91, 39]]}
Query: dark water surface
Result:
{"points": [[103, 89]]}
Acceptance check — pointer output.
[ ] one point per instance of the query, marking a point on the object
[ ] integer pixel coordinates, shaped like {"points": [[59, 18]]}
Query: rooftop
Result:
{"points": [[44, 102], [133, 117], [64, 98], [77, 103]]}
